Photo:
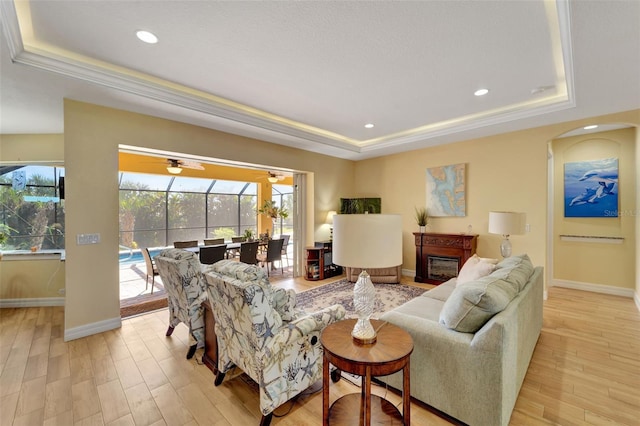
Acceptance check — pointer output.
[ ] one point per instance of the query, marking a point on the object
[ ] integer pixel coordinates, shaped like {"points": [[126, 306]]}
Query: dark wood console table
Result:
{"points": [[439, 257]]}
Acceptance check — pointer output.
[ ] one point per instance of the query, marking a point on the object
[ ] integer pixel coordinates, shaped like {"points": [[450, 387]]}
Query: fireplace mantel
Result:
{"points": [[437, 250]]}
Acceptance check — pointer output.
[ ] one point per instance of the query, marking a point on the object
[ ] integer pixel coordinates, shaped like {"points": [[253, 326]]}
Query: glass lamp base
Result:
{"points": [[363, 332], [364, 296], [505, 247]]}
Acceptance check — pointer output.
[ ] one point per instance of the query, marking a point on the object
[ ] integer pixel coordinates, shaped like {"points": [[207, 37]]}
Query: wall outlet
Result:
{"points": [[83, 239], [527, 228]]}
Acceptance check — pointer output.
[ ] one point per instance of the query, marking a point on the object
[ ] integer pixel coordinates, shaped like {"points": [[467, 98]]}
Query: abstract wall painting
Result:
{"points": [[591, 188], [446, 190]]}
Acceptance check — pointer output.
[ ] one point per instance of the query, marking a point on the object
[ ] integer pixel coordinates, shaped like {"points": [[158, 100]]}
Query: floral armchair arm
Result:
{"points": [[305, 325]]}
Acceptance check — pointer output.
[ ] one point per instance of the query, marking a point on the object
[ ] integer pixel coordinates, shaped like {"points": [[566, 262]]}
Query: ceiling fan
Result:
{"points": [[274, 177], [175, 166]]}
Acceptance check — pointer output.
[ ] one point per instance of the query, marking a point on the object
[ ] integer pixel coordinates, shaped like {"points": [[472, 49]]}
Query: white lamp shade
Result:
{"points": [[507, 223], [367, 240], [330, 216]]}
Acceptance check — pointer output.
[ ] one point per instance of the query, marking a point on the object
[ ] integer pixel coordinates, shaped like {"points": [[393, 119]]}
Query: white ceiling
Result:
{"points": [[311, 74]]}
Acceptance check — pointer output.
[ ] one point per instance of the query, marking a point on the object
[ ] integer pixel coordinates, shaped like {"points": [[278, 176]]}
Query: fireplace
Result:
{"points": [[441, 268], [439, 257]]}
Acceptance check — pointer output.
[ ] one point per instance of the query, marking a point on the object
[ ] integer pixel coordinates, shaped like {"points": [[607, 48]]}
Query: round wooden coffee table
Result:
{"points": [[390, 353]]}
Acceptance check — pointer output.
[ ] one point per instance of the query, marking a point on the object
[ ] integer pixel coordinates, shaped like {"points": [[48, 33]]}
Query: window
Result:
{"points": [[31, 209], [282, 195]]}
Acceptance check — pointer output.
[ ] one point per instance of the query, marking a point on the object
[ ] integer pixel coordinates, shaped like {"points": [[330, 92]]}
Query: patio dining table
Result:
{"points": [[230, 247]]}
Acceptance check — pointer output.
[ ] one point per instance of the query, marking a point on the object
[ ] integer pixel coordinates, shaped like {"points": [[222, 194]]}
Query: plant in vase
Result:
{"points": [[271, 209], [248, 234], [422, 217]]}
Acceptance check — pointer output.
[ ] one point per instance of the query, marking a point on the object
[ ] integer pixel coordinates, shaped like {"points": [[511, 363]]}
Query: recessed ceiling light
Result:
{"points": [[147, 37], [368, 126], [591, 127], [481, 92]]}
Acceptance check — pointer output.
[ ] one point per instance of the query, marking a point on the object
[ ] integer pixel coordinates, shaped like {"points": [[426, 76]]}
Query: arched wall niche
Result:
{"points": [[595, 253]]}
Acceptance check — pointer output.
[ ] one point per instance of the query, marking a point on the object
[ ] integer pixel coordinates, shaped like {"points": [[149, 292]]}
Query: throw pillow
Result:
{"points": [[475, 267], [515, 269], [472, 304]]}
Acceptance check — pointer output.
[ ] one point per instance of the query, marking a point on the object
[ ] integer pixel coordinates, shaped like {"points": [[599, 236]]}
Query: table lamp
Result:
{"points": [[505, 224], [329, 221], [366, 241]]}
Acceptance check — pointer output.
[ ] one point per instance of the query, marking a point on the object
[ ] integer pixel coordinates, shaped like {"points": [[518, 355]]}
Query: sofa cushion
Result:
{"points": [[476, 267], [515, 269], [472, 304], [443, 291], [421, 307]]}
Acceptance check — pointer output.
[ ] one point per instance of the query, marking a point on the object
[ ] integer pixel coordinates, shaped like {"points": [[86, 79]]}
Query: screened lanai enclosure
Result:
{"points": [[156, 210], [31, 208]]}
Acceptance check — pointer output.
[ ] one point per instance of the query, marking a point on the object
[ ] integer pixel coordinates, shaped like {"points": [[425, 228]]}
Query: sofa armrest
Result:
{"points": [[305, 325]]}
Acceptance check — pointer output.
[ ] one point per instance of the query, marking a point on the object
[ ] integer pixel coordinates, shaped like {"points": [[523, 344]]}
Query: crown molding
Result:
{"points": [[107, 75]]}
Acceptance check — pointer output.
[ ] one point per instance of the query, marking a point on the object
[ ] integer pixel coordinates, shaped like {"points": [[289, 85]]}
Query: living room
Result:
{"points": [[518, 170]]}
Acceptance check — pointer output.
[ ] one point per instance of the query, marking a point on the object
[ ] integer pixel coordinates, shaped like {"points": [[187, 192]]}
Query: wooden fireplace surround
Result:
{"points": [[462, 246]]}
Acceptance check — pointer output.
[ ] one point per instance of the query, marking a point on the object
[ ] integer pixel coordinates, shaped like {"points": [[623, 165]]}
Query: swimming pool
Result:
{"points": [[135, 256]]}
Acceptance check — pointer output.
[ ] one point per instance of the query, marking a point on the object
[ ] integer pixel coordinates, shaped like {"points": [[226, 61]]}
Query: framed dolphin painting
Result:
{"points": [[591, 188]]}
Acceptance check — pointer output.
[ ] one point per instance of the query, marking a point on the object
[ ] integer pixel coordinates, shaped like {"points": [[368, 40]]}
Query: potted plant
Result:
{"points": [[270, 208], [248, 234], [422, 217]]}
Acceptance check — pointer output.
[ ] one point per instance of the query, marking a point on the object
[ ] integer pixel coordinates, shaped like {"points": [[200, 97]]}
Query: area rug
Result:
{"points": [[388, 296]]}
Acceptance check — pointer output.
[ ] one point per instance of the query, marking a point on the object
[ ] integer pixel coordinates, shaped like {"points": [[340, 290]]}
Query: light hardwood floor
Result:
{"points": [[585, 370]]}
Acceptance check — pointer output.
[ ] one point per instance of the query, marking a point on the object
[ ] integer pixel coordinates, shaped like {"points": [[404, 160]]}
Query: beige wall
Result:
{"points": [[18, 149], [504, 172], [29, 276], [593, 262], [637, 215], [92, 136]]}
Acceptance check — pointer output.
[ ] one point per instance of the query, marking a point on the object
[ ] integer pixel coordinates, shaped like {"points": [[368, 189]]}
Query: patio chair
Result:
{"points": [[185, 244], [213, 242], [285, 245], [274, 253], [249, 252], [152, 270], [236, 252], [186, 290], [212, 254]]}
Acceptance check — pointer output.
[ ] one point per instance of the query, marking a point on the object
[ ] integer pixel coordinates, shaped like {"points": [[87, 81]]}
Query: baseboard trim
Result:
{"points": [[409, 272], [32, 302], [93, 328], [594, 288]]}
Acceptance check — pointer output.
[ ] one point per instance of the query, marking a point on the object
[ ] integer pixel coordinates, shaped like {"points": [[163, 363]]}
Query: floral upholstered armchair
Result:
{"points": [[186, 290], [259, 330]]}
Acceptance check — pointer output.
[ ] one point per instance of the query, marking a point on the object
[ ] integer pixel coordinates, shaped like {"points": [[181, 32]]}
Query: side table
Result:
{"points": [[390, 353]]}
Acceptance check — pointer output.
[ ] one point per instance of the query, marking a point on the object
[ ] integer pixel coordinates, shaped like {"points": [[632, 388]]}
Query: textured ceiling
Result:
{"points": [[311, 74]]}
